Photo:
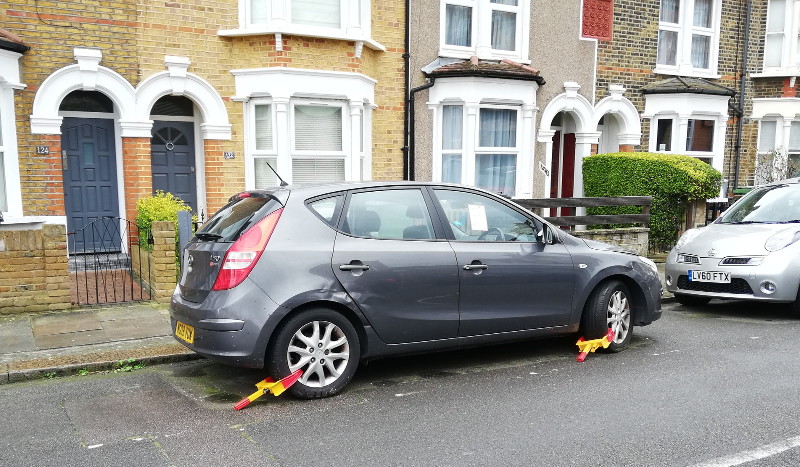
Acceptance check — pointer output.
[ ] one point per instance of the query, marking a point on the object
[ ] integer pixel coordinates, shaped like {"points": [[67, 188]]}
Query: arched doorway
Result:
{"points": [[89, 165], [172, 148]]}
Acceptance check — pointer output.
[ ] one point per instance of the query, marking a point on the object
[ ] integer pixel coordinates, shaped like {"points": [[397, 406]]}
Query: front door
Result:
{"points": [[90, 179], [562, 182], [172, 155]]}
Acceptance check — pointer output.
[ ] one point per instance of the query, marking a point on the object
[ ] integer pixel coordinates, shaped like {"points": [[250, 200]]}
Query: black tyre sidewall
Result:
{"points": [[594, 324], [278, 365]]}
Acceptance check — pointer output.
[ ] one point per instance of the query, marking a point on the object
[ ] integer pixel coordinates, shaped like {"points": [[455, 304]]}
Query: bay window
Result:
{"points": [[779, 137], [493, 158], [688, 37], [305, 139], [485, 28]]}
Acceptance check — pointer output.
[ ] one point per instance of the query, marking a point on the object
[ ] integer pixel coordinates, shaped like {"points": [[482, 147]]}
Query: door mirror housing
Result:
{"points": [[547, 235]]}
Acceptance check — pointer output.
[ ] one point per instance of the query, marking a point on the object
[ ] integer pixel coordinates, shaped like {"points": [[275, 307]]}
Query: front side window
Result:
{"points": [[476, 218], [389, 215], [688, 36], [485, 28]]}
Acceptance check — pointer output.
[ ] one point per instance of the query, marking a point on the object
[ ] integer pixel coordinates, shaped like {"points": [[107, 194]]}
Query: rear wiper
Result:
{"points": [[211, 237]]}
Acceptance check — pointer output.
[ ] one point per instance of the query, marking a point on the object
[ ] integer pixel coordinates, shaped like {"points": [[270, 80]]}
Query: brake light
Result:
{"points": [[245, 252]]}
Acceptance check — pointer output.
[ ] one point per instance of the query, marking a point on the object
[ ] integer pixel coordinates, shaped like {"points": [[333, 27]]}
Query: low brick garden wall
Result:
{"points": [[34, 275], [630, 238], [158, 267]]}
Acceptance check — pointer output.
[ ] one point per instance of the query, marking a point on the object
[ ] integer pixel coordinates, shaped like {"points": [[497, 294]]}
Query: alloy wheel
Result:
{"points": [[321, 350], [619, 315]]}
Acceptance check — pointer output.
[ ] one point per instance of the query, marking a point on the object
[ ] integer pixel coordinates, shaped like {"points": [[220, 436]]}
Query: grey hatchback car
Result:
{"points": [[322, 277]]}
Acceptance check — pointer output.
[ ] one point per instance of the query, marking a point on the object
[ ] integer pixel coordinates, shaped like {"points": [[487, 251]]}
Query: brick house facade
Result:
{"points": [[201, 71]]}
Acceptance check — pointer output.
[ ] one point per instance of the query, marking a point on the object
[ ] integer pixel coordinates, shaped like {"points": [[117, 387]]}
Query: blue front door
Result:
{"points": [[172, 153], [90, 180]]}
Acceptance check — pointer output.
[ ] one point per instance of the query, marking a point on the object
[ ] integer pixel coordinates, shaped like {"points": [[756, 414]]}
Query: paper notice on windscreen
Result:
{"points": [[477, 217]]}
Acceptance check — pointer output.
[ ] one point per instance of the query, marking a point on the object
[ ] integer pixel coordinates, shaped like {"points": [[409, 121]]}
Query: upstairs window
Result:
{"points": [[485, 28], [688, 37], [317, 13], [782, 38]]}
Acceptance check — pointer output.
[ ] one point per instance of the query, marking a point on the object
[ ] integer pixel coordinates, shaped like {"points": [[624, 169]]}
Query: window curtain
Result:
{"points": [[265, 177], [458, 25], [701, 46], [766, 137], [794, 137], [317, 170], [667, 47], [702, 13], [504, 30], [498, 128], [670, 11], [317, 128], [259, 11], [773, 47], [452, 139], [263, 127], [452, 126], [324, 13], [496, 172]]}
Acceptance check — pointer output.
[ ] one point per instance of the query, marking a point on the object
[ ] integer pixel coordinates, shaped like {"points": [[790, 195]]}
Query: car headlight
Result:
{"points": [[650, 263], [782, 239], [686, 237]]}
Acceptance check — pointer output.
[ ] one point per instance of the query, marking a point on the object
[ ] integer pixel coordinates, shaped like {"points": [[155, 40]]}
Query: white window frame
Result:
{"points": [[283, 88], [9, 81], [681, 108], [474, 94], [355, 24], [685, 29], [790, 53], [482, 31], [781, 138]]}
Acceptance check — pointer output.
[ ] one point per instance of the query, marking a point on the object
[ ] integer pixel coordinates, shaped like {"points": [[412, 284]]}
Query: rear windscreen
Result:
{"points": [[232, 220]]}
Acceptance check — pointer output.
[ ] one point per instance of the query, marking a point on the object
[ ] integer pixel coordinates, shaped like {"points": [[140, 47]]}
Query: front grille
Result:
{"points": [[737, 286], [735, 261], [682, 258]]}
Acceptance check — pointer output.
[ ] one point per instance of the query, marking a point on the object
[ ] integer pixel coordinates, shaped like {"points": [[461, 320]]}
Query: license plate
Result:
{"points": [[185, 332], [717, 277]]}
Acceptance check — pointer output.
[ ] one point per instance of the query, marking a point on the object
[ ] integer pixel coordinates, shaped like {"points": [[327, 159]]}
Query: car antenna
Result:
{"points": [[283, 182]]}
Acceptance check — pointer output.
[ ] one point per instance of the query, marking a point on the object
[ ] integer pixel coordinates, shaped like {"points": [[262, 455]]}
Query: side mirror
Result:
{"points": [[546, 234]]}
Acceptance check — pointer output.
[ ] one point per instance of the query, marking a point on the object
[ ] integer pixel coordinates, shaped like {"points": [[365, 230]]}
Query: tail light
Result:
{"points": [[245, 252]]}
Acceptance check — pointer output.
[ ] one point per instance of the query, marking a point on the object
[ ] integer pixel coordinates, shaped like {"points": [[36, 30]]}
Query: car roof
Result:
{"points": [[314, 189]]}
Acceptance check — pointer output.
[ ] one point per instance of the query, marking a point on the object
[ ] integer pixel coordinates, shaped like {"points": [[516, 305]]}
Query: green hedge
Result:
{"points": [[670, 179], [159, 207]]}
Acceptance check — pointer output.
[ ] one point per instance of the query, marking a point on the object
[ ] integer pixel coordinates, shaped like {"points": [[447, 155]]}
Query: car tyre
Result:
{"points": [[609, 306], [692, 300], [321, 342]]}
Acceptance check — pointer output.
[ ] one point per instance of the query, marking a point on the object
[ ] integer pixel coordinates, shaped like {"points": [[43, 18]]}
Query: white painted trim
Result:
{"points": [[786, 107], [9, 70], [10, 153], [619, 106]]}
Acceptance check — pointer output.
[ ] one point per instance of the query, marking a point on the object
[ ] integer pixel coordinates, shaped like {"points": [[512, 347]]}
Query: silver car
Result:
{"points": [[319, 278], [749, 253]]}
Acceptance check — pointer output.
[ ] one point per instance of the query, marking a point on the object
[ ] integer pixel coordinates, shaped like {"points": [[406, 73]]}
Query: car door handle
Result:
{"points": [[354, 267], [472, 267]]}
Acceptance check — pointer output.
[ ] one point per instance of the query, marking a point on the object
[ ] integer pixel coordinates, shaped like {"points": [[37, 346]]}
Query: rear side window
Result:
{"points": [[327, 208], [229, 222], [389, 214]]}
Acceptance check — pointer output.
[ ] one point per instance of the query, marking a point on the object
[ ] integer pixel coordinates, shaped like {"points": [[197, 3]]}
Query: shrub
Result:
{"points": [[159, 207], [670, 179]]}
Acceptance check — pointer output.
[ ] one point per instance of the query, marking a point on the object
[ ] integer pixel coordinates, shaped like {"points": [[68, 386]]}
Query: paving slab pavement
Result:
{"points": [[35, 345]]}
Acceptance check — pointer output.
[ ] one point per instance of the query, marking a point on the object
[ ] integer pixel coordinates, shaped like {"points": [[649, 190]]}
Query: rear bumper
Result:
{"points": [[229, 326]]}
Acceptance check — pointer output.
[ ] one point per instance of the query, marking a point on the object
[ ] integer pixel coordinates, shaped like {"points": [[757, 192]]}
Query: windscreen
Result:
{"points": [[770, 204]]}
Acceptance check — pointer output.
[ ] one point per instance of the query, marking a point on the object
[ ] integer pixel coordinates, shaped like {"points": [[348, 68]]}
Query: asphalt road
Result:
{"points": [[715, 385]]}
